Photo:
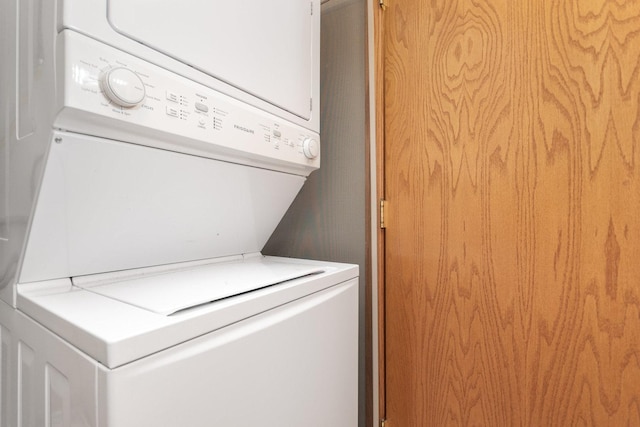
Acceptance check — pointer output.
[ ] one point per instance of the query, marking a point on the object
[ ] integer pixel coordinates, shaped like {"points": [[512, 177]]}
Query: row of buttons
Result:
{"points": [[277, 135], [217, 123], [173, 97]]}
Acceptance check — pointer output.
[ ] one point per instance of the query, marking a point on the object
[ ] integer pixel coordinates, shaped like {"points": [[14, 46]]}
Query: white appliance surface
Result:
{"points": [[171, 113], [107, 205], [293, 364], [263, 53], [118, 331], [248, 46], [168, 292]]}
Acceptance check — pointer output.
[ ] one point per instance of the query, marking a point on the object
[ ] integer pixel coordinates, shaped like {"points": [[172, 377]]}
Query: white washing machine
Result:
{"points": [[150, 151]]}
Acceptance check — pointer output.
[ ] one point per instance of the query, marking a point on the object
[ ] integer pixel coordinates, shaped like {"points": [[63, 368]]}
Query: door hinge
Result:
{"points": [[383, 204], [383, 422], [311, 8], [383, 4]]}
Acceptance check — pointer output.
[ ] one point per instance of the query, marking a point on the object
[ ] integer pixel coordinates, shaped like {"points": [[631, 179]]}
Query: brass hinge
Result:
{"points": [[383, 4], [383, 422], [383, 204]]}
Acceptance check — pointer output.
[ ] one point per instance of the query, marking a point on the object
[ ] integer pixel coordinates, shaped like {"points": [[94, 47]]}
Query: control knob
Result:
{"points": [[123, 87], [310, 148]]}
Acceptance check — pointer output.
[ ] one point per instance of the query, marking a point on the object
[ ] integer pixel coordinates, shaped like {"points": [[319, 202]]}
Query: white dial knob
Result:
{"points": [[123, 87], [310, 148]]}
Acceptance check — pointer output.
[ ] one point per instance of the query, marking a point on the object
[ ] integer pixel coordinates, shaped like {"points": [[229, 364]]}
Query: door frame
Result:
{"points": [[376, 56]]}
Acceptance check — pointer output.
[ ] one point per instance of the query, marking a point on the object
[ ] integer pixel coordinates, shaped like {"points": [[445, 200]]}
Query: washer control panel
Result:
{"points": [[120, 88]]}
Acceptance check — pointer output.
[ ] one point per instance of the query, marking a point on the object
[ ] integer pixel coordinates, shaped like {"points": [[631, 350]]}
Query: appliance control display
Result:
{"points": [[100, 80]]}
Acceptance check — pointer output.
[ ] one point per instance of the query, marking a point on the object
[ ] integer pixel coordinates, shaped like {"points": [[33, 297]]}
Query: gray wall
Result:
{"points": [[327, 219]]}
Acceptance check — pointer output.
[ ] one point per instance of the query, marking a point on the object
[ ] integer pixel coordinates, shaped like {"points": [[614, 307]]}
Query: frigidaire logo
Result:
{"points": [[244, 129]]}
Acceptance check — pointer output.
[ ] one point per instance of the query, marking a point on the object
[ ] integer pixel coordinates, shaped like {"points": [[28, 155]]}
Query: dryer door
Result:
{"points": [[262, 47]]}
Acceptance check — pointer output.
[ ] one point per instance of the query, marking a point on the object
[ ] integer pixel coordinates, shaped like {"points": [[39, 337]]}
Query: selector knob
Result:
{"points": [[123, 87], [310, 148]]}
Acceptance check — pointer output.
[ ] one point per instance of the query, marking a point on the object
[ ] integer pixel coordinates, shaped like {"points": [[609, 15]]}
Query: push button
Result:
{"points": [[201, 107], [172, 96], [173, 112]]}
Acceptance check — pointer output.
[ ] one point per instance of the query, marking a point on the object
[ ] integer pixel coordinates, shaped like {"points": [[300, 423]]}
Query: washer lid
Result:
{"points": [[168, 292], [264, 48], [115, 333]]}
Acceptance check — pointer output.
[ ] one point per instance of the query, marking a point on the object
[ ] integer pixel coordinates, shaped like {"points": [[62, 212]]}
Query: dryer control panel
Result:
{"points": [[109, 93]]}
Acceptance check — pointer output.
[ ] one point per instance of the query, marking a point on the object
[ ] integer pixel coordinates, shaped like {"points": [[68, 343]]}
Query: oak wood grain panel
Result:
{"points": [[512, 249]]}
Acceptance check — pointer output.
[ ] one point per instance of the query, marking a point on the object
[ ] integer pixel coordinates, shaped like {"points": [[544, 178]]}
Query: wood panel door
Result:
{"points": [[512, 293]]}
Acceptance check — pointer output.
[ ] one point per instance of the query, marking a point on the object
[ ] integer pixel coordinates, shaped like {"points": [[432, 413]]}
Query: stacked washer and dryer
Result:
{"points": [[149, 150]]}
